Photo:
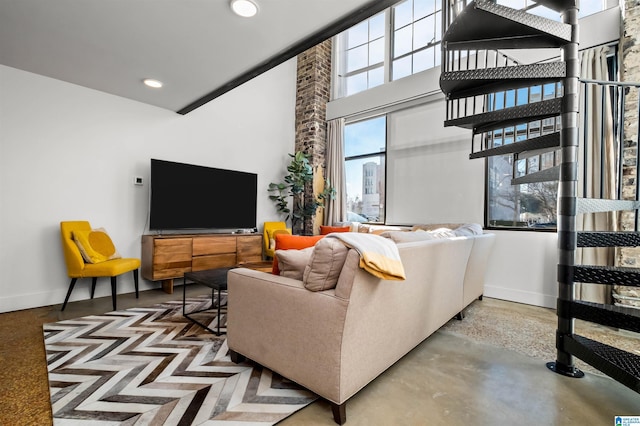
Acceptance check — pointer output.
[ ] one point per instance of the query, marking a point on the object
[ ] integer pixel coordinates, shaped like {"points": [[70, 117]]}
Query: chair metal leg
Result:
{"points": [[113, 291], [135, 280], [66, 299], [94, 280]]}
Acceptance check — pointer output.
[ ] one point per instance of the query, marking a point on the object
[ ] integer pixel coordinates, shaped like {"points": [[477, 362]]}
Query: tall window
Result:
{"points": [[530, 204], [417, 33], [398, 42], [365, 152], [362, 61]]}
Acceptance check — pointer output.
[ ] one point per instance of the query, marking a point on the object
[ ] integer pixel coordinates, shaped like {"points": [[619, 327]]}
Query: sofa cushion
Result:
{"points": [[291, 263], [324, 230], [95, 245], [296, 242], [324, 266]]}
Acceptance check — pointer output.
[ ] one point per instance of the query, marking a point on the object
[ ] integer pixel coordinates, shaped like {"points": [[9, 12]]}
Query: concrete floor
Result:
{"points": [[447, 380]]}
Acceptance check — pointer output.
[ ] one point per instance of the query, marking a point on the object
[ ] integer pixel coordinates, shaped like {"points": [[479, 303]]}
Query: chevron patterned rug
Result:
{"points": [[151, 366]]}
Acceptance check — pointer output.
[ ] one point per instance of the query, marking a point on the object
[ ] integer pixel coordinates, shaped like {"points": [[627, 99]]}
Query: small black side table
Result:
{"points": [[215, 279]]}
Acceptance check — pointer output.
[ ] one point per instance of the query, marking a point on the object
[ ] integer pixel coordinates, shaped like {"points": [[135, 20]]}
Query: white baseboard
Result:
{"points": [[54, 297], [521, 296]]}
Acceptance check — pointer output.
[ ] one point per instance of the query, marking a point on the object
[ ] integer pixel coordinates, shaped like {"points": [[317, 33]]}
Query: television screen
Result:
{"points": [[187, 196]]}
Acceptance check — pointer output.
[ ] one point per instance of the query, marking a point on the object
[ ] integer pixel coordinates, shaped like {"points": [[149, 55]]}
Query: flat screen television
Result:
{"points": [[187, 196]]}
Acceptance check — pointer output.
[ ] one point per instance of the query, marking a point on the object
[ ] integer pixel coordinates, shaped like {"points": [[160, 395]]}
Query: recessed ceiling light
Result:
{"points": [[244, 8], [156, 84]]}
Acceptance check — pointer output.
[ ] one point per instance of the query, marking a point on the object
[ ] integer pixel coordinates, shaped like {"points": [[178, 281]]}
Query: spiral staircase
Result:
{"points": [[474, 68]]}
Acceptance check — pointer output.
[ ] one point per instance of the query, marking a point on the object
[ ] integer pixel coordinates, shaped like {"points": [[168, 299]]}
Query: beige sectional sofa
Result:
{"points": [[334, 342]]}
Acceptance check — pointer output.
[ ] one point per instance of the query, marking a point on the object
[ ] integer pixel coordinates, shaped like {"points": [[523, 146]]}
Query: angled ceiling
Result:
{"points": [[198, 48]]}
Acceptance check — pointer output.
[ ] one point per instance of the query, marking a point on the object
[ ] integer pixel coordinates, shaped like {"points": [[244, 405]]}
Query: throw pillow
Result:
{"points": [[324, 267], [291, 263], [324, 230], [272, 236], [95, 245], [468, 230], [434, 226], [296, 242], [442, 233], [406, 237]]}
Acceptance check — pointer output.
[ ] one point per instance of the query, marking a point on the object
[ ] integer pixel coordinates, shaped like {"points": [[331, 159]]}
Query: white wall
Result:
{"points": [[429, 176], [522, 268], [71, 153]]}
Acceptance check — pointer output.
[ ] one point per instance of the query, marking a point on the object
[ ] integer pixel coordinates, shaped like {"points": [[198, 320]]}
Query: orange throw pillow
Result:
{"points": [[324, 230], [292, 242]]}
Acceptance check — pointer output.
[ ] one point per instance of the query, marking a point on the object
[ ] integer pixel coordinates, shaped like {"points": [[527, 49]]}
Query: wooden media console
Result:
{"points": [[167, 257]]}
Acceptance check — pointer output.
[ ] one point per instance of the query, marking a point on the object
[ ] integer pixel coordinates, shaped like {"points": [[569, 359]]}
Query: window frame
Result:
{"points": [[340, 74], [376, 154]]}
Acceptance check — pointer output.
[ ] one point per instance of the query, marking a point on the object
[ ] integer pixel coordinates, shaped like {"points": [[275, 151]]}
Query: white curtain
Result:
{"points": [[600, 168], [336, 210]]}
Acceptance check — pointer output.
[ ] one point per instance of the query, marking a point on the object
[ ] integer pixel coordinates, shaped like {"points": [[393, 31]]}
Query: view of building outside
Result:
{"points": [[365, 151]]}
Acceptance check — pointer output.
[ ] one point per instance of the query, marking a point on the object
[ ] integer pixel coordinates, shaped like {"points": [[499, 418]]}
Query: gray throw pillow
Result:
{"points": [[291, 263], [324, 266]]}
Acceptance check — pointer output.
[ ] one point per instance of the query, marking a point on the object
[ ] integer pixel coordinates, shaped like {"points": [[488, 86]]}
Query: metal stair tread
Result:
{"points": [[617, 275], [464, 83], [508, 116], [626, 318], [608, 239], [557, 5], [546, 175], [621, 365], [597, 205], [486, 25], [549, 141]]}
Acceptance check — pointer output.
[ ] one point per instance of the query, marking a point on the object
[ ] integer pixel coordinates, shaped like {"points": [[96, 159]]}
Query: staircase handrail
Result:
{"points": [[611, 82]]}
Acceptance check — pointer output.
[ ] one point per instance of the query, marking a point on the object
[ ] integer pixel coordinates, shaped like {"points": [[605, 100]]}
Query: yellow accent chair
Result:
{"points": [[269, 236], [98, 264]]}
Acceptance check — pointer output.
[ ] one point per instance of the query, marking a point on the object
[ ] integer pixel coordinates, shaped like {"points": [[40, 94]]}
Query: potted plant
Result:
{"points": [[298, 179]]}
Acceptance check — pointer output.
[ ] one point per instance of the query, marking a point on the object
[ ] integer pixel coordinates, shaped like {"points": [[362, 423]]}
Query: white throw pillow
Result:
{"points": [[468, 230], [407, 236]]}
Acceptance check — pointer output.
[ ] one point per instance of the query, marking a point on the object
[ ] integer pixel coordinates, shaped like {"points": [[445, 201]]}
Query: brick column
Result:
{"points": [[630, 50], [312, 94]]}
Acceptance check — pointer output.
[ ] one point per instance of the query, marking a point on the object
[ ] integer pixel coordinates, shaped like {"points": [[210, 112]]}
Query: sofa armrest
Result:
{"points": [[476, 271], [278, 323]]}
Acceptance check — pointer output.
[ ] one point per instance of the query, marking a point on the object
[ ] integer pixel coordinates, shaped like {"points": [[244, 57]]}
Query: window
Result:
{"points": [[365, 152], [417, 32], [530, 205], [362, 48], [398, 42]]}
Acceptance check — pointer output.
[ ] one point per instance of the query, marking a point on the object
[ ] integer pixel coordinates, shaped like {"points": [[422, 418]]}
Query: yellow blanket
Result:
{"points": [[378, 255]]}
